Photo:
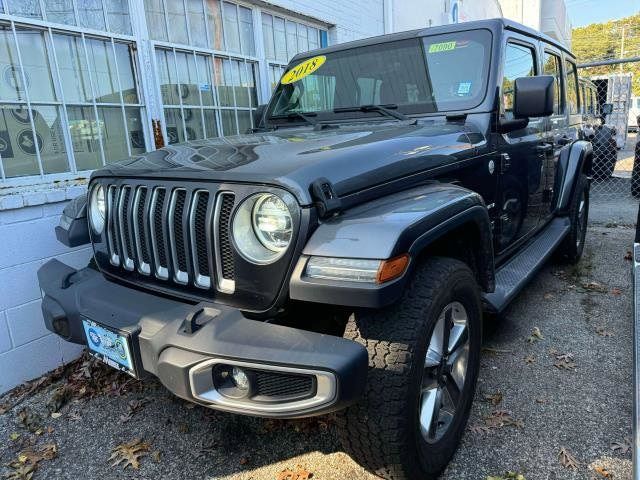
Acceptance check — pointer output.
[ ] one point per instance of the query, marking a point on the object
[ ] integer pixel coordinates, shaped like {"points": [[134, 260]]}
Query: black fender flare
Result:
{"points": [[573, 160], [405, 222]]}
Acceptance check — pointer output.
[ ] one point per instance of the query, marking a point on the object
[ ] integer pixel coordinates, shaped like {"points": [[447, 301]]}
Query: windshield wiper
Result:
{"points": [[384, 109], [304, 116]]}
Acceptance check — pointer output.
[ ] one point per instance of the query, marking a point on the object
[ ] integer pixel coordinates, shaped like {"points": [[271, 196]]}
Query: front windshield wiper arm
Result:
{"points": [[304, 116], [384, 109]]}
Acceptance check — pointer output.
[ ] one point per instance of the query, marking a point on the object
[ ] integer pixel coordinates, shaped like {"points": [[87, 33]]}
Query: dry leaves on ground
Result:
{"points": [[628, 256], [494, 399], [508, 476], [30, 420], [603, 332], [536, 335], [564, 361], [603, 472], [616, 291], [133, 407], [27, 461], [567, 460], [497, 419], [622, 447], [299, 473], [129, 453], [529, 359]]}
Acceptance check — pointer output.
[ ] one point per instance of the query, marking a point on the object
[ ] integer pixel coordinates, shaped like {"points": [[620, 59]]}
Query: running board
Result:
{"points": [[518, 271]]}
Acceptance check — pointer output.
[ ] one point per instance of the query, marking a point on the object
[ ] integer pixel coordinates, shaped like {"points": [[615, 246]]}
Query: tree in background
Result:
{"points": [[605, 41]]}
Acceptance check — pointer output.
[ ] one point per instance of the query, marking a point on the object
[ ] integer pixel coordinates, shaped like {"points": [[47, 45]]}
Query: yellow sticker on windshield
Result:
{"points": [[442, 47], [303, 69]]}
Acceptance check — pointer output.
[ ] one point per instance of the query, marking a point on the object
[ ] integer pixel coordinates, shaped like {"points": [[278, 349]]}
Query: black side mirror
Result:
{"points": [[607, 108], [533, 96], [73, 229], [258, 113]]}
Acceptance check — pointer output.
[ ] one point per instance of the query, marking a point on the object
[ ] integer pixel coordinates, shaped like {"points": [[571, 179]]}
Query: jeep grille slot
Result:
{"points": [[158, 246], [224, 251], [112, 234], [180, 234]]}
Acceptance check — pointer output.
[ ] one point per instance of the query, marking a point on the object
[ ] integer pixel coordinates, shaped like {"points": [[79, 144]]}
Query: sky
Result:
{"points": [[584, 12]]}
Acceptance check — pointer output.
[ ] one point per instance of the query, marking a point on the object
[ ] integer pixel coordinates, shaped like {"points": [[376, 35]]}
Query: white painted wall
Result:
{"points": [[27, 240], [412, 14], [548, 16], [352, 19]]}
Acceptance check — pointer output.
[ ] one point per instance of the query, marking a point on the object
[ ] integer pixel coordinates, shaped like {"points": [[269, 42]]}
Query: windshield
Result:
{"points": [[437, 73]]}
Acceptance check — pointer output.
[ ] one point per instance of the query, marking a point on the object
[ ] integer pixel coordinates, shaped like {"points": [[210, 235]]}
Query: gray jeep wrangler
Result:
{"points": [[339, 257]]}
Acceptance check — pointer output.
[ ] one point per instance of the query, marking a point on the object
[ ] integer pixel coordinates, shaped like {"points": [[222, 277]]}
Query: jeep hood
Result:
{"points": [[351, 157]]}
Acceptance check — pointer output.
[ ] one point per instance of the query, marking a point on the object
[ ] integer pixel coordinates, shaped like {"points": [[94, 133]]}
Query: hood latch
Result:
{"points": [[325, 198]]}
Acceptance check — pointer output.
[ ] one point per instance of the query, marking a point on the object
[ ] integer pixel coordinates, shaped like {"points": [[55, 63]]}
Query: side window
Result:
{"points": [[552, 66], [573, 101], [519, 61]]}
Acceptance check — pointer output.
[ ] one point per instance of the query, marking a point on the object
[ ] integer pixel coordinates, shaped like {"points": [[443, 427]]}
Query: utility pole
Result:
{"points": [[622, 48]]}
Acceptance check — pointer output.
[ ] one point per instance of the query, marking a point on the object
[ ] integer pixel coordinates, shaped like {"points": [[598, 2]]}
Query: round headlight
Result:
{"points": [[262, 228], [272, 222], [97, 209]]}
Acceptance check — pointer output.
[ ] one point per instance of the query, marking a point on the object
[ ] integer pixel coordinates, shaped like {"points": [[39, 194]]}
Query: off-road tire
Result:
{"points": [[381, 432], [570, 250]]}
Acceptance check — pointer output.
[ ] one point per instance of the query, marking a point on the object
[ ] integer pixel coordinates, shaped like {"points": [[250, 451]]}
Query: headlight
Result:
{"points": [[97, 209], [262, 228]]}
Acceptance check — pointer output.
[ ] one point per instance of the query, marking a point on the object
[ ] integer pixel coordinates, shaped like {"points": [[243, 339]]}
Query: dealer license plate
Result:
{"points": [[109, 346]]}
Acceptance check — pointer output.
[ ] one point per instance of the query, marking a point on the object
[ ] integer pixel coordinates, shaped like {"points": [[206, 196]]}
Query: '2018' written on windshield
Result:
{"points": [[303, 69]]}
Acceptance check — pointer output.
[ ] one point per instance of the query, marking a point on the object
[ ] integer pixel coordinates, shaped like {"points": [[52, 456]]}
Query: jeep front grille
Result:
{"points": [[179, 235]]}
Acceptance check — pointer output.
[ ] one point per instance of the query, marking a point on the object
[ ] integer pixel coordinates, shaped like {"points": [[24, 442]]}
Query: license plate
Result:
{"points": [[109, 346]]}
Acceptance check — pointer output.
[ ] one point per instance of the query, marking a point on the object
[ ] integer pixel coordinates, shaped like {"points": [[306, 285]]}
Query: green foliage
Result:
{"points": [[603, 41]]}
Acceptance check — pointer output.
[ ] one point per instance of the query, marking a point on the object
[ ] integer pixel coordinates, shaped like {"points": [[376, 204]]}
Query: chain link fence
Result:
{"points": [[613, 166]]}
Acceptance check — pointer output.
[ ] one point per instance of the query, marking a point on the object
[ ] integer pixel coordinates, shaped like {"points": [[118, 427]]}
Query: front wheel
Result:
{"points": [[571, 248], [424, 355]]}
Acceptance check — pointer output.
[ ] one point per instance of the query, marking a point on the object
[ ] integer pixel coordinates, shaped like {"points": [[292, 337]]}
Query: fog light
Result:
{"points": [[232, 382], [240, 378]]}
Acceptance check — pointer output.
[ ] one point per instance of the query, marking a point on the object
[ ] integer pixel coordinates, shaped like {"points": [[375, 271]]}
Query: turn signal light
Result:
{"points": [[392, 268]]}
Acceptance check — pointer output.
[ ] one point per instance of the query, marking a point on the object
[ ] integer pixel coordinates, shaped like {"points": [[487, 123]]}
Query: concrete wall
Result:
{"points": [[27, 240], [412, 14]]}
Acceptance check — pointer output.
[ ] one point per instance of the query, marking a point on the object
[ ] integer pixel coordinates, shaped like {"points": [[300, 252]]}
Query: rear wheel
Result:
{"points": [[424, 357]]}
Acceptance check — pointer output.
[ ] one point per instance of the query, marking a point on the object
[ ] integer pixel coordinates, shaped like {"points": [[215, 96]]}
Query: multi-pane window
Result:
{"points": [[285, 38], [70, 118], [201, 92], [111, 16], [212, 24]]}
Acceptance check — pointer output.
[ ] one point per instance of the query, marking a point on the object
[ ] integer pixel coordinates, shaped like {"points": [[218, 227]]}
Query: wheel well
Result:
{"points": [[462, 243]]}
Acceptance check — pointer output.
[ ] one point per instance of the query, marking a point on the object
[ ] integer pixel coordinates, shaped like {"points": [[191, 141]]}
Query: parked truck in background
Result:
{"points": [[615, 89]]}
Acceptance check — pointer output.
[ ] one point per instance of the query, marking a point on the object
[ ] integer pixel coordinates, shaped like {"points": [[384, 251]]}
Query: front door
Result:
{"points": [[522, 160]]}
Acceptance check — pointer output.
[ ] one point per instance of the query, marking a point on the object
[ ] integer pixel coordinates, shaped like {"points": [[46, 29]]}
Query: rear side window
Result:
{"points": [[573, 101], [519, 61], [552, 66]]}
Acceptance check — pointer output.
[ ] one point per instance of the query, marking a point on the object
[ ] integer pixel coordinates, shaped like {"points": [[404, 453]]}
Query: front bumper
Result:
{"points": [[181, 343]]}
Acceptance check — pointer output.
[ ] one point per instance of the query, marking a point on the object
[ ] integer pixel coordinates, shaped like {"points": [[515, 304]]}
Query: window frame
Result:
{"points": [[562, 94], [516, 40], [569, 60]]}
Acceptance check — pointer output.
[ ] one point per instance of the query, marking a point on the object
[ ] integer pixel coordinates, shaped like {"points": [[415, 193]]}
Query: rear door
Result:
{"points": [[522, 168], [557, 128]]}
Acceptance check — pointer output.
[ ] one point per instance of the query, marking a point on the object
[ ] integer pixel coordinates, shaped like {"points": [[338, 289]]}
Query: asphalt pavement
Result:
{"points": [[554, 400]]}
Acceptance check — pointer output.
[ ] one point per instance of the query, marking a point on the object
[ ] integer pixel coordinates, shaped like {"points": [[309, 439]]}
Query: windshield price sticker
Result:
{"points": [[442, 47], [303, 69]]}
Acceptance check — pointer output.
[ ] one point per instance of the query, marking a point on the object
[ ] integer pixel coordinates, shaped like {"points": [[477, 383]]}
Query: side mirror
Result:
{"points": [[258, 113], [607, 108], [73, 229], [533, 96]]}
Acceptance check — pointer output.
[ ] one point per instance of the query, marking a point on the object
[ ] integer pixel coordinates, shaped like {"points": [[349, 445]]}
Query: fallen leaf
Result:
{"points": [[603, 332], [567, 460], [493, 399], [564, 361], [622, 447], [595, 287], [529, 359], [56, 415], [60, 398], [298, 474], [20, 471], [616, 291], [502, 418], [129, 453], [30, 420], [508, 476], [548, 296], [541, 401], [479, 429], [628, 256], [243, 461], [156, 456], [602, 472], [536, 335], [14, 436]]}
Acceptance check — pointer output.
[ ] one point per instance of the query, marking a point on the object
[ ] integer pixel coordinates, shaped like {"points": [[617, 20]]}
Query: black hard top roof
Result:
{"points": [[495, 25]]}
